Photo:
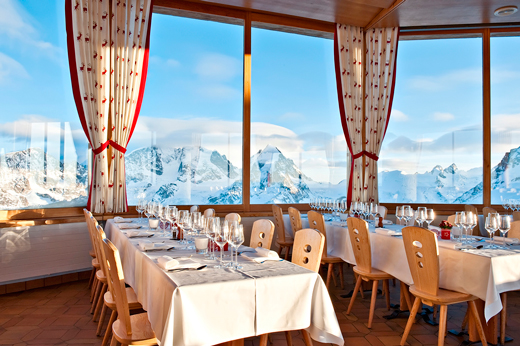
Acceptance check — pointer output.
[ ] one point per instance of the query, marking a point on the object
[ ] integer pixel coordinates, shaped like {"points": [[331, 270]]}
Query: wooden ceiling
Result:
{"points": [[379, 13]]}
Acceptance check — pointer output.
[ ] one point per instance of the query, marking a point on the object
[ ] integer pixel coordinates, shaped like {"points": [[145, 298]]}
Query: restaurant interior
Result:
{"points": [[262, 172]]}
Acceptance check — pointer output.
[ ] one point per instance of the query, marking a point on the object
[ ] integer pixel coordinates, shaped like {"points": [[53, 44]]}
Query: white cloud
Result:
{"points": [[397, 115], [11, 69], [15, 25], [446, 80], [218, 67], [172, 63], [291, 116], [440, 116], [219, 92]]}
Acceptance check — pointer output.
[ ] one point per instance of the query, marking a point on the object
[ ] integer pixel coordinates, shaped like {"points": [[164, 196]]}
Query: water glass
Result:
{"points": [[505, 226]]}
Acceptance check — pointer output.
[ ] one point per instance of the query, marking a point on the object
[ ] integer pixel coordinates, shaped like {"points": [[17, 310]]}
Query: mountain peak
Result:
{"points": [[270, 149], [452, 169], [436, 169]]}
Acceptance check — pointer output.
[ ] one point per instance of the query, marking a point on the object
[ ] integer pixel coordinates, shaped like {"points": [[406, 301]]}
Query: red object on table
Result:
{"points": [[445, 233]]}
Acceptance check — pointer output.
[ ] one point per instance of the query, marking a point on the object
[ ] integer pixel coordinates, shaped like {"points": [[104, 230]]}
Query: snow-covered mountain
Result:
{"points": [[31, 178], [505, 177]]}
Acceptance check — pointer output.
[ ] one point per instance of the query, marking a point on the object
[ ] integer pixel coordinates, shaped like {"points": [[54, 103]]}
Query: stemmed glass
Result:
{"points": [[430, 216], [420, 215], [491, 227], [468, 224], [505, 205], [140, 208], [505, 226], [460, 220], [399, 213], [374, 210], [221, 240], [148, 211], [235, 239], [407, 214], [211, 235], [161, 210]]}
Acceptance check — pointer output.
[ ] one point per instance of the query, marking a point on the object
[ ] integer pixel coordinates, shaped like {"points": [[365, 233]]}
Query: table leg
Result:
{"points": [[490, 328]]}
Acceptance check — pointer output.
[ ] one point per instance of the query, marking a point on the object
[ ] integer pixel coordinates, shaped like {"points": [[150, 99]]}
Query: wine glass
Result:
{"points": [[505, 226], [407, 214], [221, 240], [235, 239], [491, 226], [399, 213], [420, 215], [430, 216], [460, 220], [468, 225], [140, 209], [211, 235], [374, 210], [148, 211], [505, 204]]}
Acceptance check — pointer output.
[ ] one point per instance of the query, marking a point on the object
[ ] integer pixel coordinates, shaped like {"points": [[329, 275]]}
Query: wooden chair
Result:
{"points": [[516, 216], [210, 212], [514, 232], [101, 279], [282, 241], [194, 208], [262, 234], [451, 219], [296, 220], [487, 210], [359, 238], [307, 253], [127, 329], [233, 217], [473, 209], [317, 221], [382, 210], [92, 253], [423, 259]]}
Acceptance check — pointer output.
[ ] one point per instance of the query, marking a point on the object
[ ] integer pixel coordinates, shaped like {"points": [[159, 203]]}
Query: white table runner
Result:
{"points": [[212, 306]]}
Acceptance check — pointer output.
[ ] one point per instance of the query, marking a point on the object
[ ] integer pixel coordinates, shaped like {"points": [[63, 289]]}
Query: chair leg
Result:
{"points": [[101, 319], [329, 275], [100, 302], [503, 318], [287, 249], [404, 291], [465, 320], [306, 338], [288, 337], [480, 330], [386, 290], [442, 324], [351, 304], [99, 286], [263, 340], [341, 276], [331, 267], [93, 289], [92, 276], [280, 248], [372, 303], [411, 320], [111, 321]]}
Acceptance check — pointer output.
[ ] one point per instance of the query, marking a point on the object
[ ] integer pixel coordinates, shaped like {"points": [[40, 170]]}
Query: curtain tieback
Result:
{"points": [[105, 145], [367, 154]]}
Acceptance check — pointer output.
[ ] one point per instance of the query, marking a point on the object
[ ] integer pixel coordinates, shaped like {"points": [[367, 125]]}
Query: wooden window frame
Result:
{"points": [[304, 26]]}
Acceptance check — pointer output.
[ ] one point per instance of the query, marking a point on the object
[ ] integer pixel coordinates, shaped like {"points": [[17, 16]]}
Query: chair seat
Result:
{"points": [[142, 333], [331, 259], [374, 274], [101, 276], [95, 263], [444, 297], [133, 304], [92, 253]]}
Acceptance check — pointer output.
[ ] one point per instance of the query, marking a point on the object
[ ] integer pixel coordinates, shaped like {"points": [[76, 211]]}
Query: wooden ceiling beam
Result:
{"points": [[384, 13]]}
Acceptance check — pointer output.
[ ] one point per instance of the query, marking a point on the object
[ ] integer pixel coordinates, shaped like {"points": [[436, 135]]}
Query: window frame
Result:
{"points": [[304, 26]]}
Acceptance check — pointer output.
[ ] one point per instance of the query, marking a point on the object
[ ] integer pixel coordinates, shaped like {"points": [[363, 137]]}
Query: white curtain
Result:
{"points": [[381, 54], [348, 49], [108, 61]]}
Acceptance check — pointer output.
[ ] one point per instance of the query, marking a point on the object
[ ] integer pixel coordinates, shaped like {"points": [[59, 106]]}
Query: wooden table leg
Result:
{"points": [[490, 328], [405, 301]]}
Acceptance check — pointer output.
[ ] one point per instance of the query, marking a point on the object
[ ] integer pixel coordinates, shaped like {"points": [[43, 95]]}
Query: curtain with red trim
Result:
{"points": [[108, 52], [348, 57], [381, 54]]}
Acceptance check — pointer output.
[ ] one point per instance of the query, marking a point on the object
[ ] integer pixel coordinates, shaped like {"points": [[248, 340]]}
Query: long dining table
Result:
{"points": [[212, 306], [484, 273]]}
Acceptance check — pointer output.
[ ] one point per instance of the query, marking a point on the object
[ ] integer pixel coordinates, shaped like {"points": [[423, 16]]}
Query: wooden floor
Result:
{"points": [[59, 315]]}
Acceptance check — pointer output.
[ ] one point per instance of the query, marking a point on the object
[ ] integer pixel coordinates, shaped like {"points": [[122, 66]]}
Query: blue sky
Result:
{"points": [[194, 92]]}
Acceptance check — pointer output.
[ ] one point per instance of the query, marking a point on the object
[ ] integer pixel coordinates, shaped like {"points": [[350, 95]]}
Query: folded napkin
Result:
{"points": [[119, 219], [261, 255], [168, 263], [135, 234], [338, 223], [508, 240], [128, 226], [147, 245], [449, 244], [387, 222], [390, 232], [243, 248]]}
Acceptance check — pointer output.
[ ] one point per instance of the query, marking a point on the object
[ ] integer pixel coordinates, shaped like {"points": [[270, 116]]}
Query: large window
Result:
{"points": [[187, 146], [298, 149], [43, 150], [432, 152]]}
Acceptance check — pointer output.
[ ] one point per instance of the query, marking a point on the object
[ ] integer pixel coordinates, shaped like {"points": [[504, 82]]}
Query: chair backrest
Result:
{"points": [[117, 279], [317, 221], [423, 259], [233, 217], [487, 210], [210, 212], [473, 209], [96, 236], [296, 219], [451, 219], [91, 224], [87, 220], [514, 232], [516, 216], [278, 222], [382, 210], [194, 208], [103, 259], [262, 234], [308, 248], [360, 240]]}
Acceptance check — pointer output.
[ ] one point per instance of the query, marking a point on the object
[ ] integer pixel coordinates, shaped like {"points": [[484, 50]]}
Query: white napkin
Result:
{"points": [[128, 226], [338, 223], [449, 244], [262, 255], [119, 219], [508, 240], [390, 232], [145, 245], [387, 222], [266, 252], [133, 234], [243, 248], [168, 263]]}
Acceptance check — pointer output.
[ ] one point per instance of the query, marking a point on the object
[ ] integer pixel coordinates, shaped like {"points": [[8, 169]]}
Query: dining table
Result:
{"points": [[216, 305], [482, 272]]}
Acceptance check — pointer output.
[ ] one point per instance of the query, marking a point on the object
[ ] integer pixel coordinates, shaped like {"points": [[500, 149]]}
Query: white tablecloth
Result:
{"points": [[482, 273], [212, 306]]}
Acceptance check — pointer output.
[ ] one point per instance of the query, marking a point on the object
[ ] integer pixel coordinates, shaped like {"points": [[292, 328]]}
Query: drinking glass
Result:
{"points": [[505, 226], [407, 214], [491, 226], [211, 235], [460, 218], [235, 240], [421, 215], [468, 225], [374, 211], [148, 211], [399, 214], [430, 216], [140, 209], [220, 240]]}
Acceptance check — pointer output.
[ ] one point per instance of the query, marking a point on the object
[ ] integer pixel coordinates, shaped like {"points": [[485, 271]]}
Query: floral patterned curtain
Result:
{"points": [[108, 57], [381, 54], [348, 55]]}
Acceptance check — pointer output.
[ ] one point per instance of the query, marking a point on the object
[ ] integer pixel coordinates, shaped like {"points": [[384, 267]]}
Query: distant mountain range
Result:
{"points": [[194, 175]]}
